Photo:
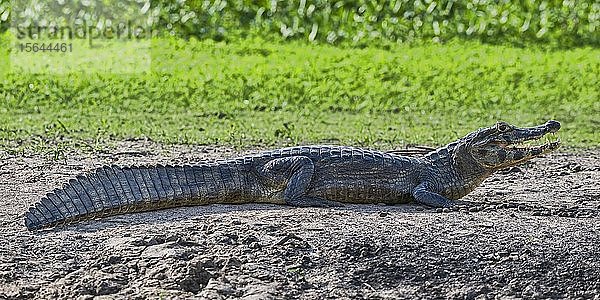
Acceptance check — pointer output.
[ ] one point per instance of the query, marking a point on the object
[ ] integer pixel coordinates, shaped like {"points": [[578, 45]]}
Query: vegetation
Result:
{"points": [[366, 22], [554, 24], [256, 93], [256, 73]]}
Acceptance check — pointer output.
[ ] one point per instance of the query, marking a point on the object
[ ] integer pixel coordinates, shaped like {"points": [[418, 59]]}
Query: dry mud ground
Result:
{"points": [[529, 232]]}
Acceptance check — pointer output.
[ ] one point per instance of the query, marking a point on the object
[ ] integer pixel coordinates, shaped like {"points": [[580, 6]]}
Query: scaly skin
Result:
{"points": [[297, 176]]}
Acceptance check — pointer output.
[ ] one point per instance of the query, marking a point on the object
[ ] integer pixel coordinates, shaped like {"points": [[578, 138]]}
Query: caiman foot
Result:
{"points": [[426, 197]]}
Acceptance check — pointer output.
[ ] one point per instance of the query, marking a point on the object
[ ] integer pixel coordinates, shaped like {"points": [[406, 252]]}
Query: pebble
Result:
{"points": [[306, 261], [113, 259], [474, 209], [489, 208], [170, 239], [293, 267], [515, 170], [154, 241], [232, 261], [503, 253]]}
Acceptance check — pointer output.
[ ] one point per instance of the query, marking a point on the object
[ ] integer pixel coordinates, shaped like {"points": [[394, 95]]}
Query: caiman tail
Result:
{"points": [[115, 190]]}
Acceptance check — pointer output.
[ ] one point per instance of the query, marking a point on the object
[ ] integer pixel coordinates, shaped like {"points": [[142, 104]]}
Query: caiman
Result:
{"points": [[300, 176]]}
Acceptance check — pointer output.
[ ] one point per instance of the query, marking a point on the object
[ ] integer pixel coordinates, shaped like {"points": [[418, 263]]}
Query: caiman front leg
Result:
{"points": [[297, 172], [423, 195]]}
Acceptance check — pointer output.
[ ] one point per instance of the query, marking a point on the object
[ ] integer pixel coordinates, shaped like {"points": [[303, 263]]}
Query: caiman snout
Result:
{"points": [[552, 126]]}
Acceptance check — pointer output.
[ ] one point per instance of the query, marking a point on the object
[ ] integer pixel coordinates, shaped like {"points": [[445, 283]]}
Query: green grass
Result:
{"points": [[251, 93]]}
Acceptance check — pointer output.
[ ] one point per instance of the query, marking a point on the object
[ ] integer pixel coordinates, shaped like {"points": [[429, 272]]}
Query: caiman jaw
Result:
{"points": [[532, 146], [505, 145]]}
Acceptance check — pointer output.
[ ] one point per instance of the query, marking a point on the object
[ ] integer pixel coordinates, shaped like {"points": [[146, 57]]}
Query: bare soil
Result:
{"points": [[527, 232]]}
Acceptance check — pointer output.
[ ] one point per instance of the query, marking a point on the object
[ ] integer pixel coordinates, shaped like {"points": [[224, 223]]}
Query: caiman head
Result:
{"points": [[464, 164], [504, 145]]}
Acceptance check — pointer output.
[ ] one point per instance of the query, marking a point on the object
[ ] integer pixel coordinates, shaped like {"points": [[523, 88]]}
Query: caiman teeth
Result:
{"points": [[536, 143]]}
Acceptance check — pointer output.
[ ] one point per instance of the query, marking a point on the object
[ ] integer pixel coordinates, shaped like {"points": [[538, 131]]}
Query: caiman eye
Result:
{"points": [[502, 127]]}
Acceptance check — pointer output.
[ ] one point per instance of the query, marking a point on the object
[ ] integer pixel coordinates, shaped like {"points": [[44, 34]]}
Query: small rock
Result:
{"points": [[224, 239], [511, 205], [503, 253], [106, 287], [174, 238], [489, 208], [195, 279], [566, 214], [207, 262], [474, 209], [486, 224], [293, 268], [515, 170], [383, 214], [306, 261], [154, 241], [232, 261], [138, 243], [577, 168], [113, 259]]}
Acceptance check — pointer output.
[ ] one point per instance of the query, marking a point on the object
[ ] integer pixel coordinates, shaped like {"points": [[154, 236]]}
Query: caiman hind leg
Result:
{"points": [[423, 195], [297, 172]]}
